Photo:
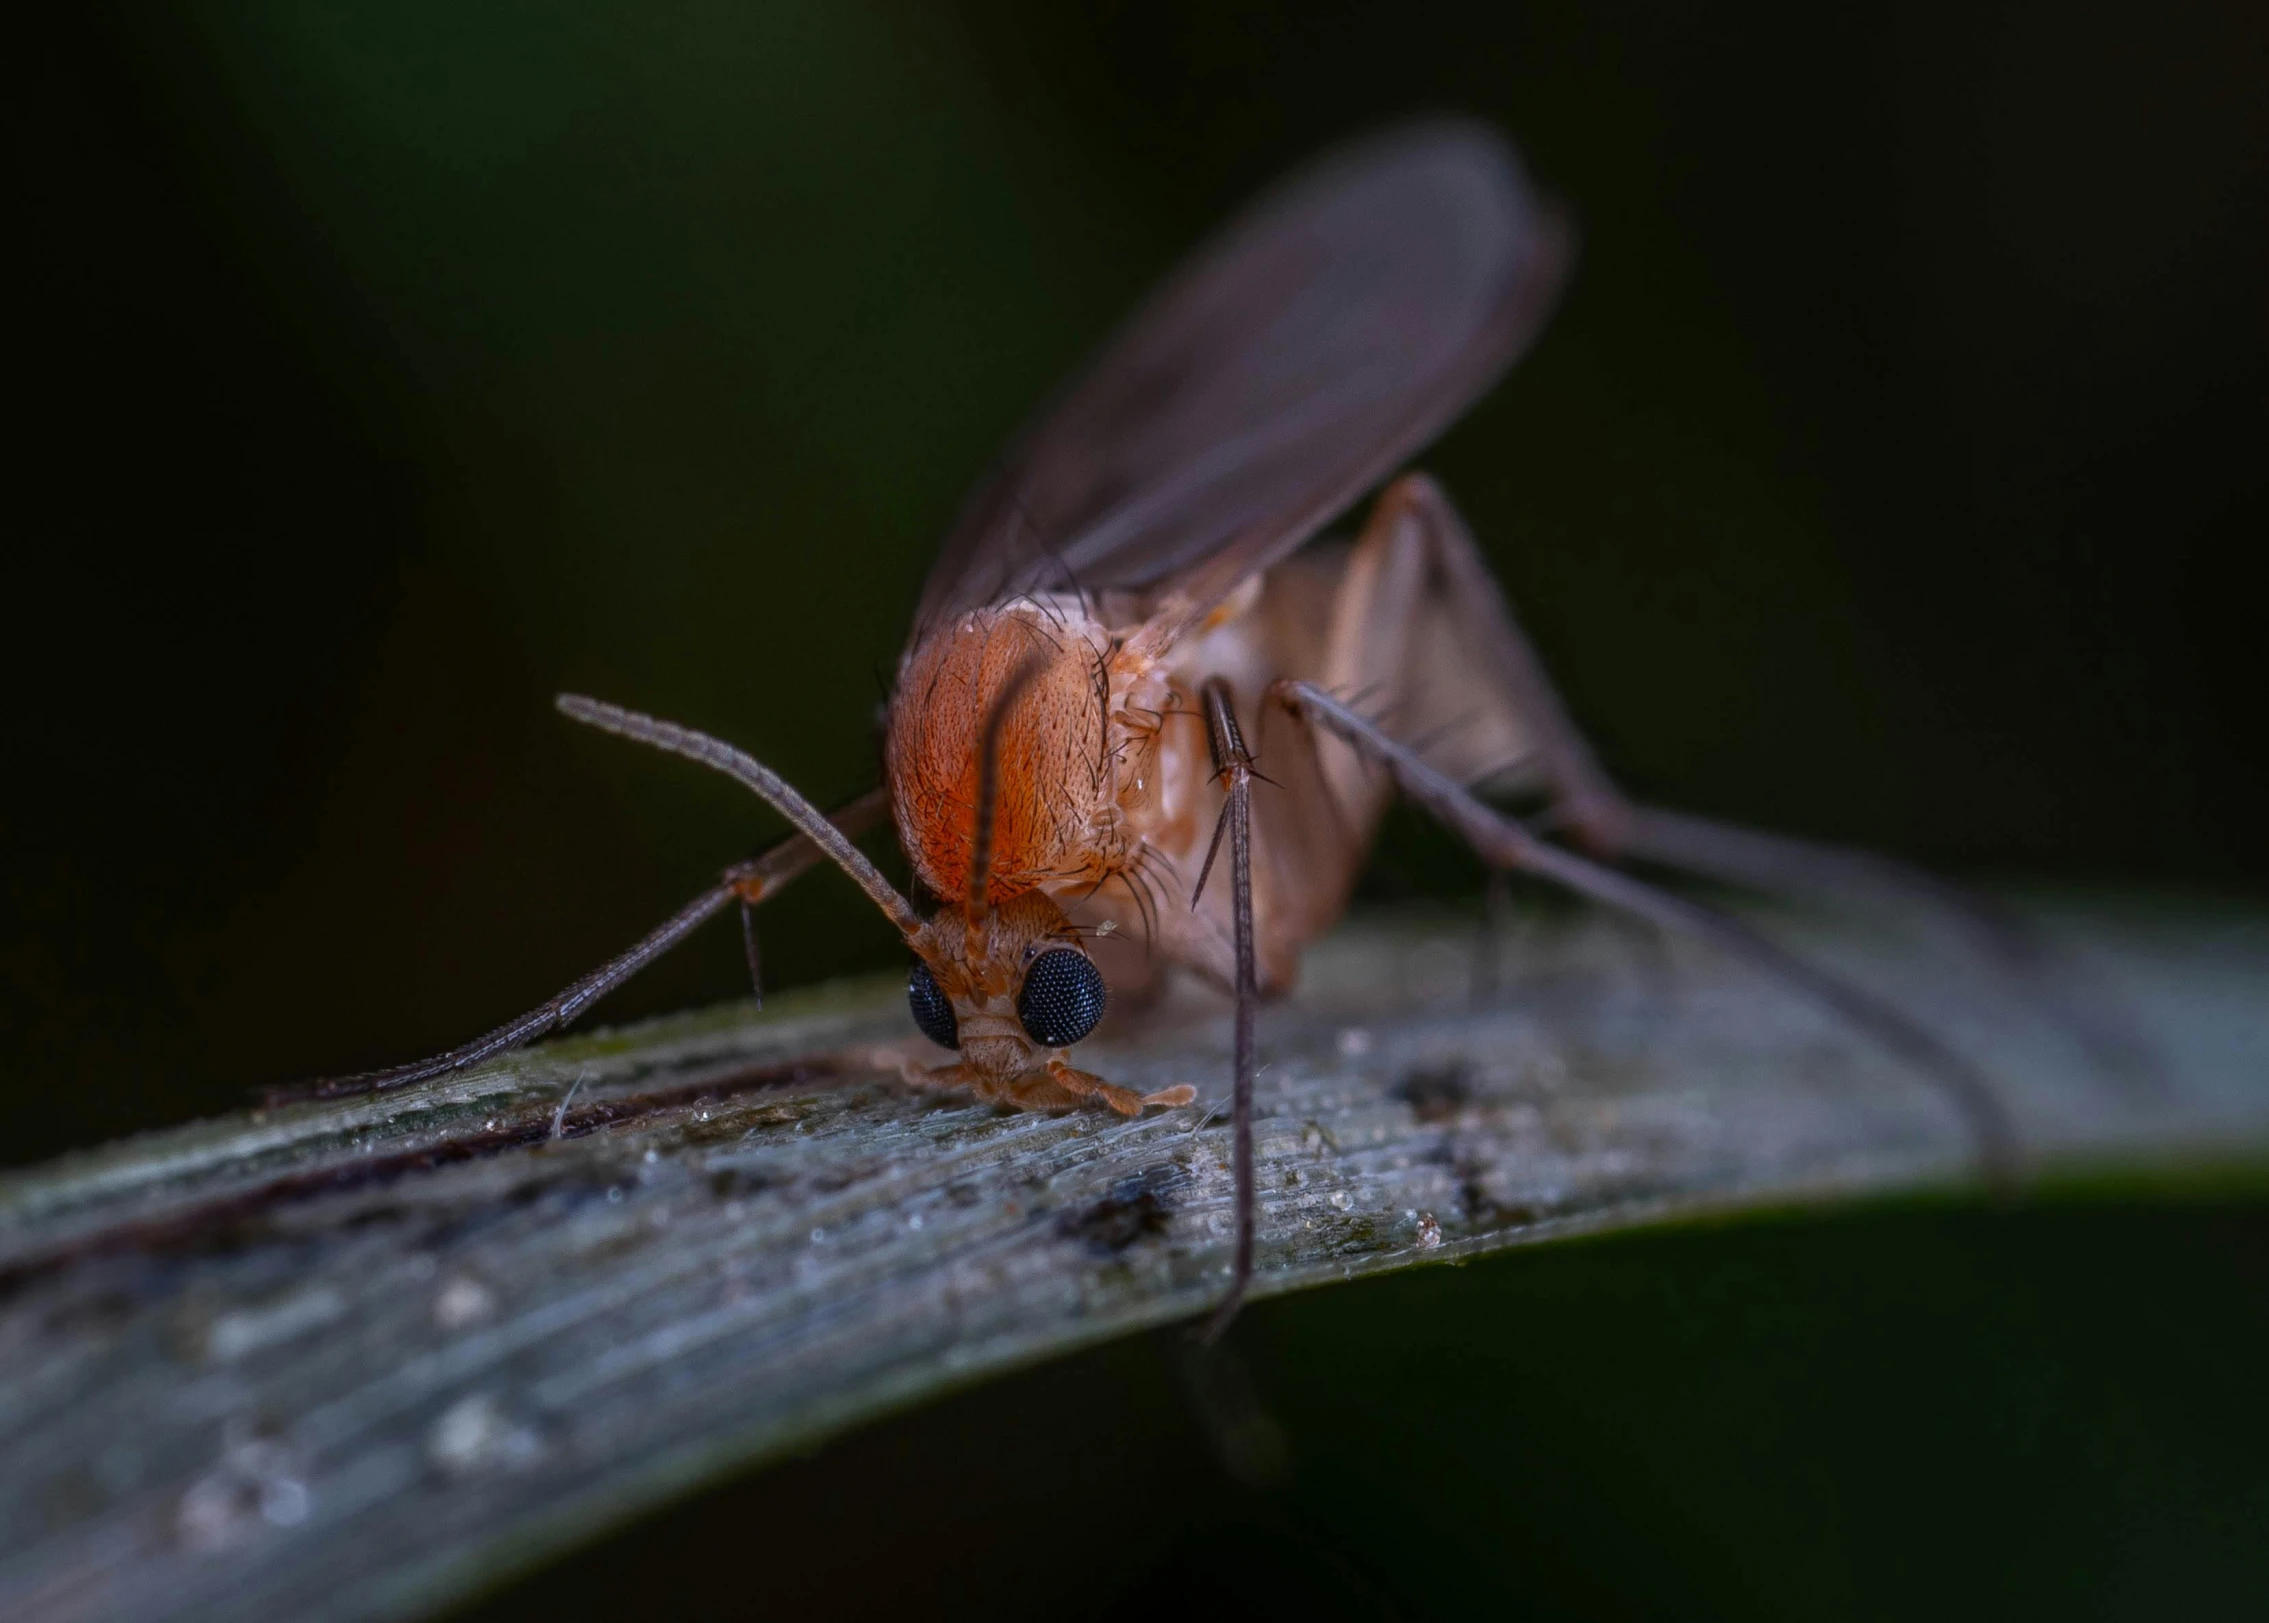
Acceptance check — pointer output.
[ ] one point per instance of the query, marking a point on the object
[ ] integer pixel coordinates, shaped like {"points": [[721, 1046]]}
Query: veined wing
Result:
{"points": [[1340, 322]]}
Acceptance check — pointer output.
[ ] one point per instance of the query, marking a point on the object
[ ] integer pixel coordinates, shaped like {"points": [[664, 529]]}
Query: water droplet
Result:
{"points": [[460, 1302], [283, 1501]]}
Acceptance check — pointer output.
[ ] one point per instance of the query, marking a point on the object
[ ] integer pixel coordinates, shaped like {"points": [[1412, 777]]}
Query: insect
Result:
{"points": [[1133, 616]]}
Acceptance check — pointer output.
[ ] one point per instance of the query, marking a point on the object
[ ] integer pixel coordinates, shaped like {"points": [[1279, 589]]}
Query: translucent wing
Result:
{"points": [[1299, 358]]}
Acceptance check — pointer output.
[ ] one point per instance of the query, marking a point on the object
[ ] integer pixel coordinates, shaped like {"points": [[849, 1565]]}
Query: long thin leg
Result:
{"points": [[747, 882], [1504, 843], [1233, 764], [1586, 796], [1086, 1085], [1779, 863], [1593, 808], [752, 952]]}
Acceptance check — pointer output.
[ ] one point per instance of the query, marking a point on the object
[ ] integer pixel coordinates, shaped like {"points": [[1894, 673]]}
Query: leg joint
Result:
{"points": [[1232, 761]]}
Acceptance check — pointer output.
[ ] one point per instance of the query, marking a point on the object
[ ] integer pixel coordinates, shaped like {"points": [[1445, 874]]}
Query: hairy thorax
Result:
{"points": [[1071, 749]]}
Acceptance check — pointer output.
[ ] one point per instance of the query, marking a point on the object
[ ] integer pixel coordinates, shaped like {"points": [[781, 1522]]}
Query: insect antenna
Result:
{"points": [[753, 775], [980, 899]]}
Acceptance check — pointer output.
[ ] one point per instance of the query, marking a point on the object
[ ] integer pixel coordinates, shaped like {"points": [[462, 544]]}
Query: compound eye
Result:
{"points": [[933, 1010], [1063, 998]]}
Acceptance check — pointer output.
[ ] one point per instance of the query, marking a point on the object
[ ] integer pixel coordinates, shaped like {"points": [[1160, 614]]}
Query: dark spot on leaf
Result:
{"points": [[247, 1217], [1483, 1211], [1436, 1092], [1135, 1209], [726, 1183]]}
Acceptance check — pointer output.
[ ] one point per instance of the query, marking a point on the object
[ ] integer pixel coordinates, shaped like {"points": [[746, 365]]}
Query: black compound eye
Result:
{"points": [[1063, 998], [933, 1010]]}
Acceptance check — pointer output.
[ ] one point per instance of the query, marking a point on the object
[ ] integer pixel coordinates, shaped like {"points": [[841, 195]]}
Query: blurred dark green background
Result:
{"points": [[1897, 470]]}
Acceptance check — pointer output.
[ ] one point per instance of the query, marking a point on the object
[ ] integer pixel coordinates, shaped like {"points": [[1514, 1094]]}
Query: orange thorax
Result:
{"points": [[1055, 822]]}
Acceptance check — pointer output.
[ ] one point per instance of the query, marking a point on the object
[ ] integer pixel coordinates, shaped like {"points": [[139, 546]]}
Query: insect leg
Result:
{"points": [[1587, 799], [746, 882], [1079, 1084], [1502, 842], [1233, 765], [1779, 863], [1590, 806], [752, 952]]}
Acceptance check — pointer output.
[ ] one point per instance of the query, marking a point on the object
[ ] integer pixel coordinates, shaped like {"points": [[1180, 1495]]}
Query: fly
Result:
{"points": [[1133, 614]]}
